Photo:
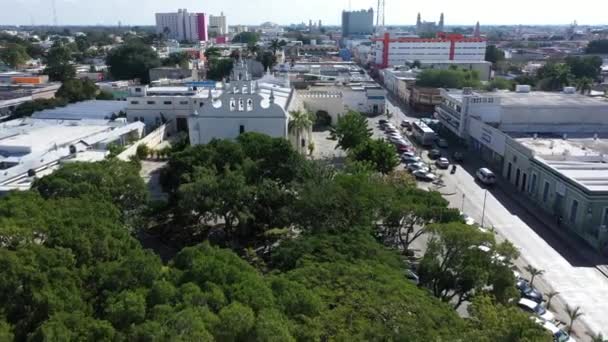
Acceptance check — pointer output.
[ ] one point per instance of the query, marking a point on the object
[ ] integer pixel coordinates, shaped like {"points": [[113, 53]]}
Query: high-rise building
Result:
{"points": [[217, 24], [182, 26], [357, 23]]}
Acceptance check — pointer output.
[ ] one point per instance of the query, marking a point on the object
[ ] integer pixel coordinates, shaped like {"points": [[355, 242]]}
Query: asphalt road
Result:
{"points": [[578, 281]]}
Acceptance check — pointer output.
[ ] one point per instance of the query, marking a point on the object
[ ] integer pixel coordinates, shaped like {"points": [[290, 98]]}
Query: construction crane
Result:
{"points": [[380, 15], [54, 5]]}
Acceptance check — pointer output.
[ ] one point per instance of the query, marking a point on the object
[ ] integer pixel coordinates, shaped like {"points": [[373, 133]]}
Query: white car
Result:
{"points": [[558, 334], [485, 176], [536, 308], [424, 175], [468, 220]]}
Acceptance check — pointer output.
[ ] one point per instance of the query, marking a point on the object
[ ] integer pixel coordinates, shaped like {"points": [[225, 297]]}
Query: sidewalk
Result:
{"points": [[582, 248]]}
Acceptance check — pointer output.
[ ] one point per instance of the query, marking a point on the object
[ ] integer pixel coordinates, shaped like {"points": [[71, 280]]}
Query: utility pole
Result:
{"points": [[483, 213]]}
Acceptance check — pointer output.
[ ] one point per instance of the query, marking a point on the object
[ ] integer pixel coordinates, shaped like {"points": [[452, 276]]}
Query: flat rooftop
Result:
{"points": [[581, 158], [97, 110], [535, 99]]}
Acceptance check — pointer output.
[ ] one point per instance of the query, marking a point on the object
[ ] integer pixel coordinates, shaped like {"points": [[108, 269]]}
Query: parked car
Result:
{"points": [[411, 275], [468, 220], [442, 143], [442, 163], [434, 154], [424, 175], [558, 334], [536, 308], [408, 154], [405, 148], [406, 124], [485, 176], [529, 292], [410, 160], [458, 157], [382, 122], [417, 166]]}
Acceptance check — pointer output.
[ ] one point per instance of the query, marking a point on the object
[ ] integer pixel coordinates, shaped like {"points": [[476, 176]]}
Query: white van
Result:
{"points": [[485, 176]]}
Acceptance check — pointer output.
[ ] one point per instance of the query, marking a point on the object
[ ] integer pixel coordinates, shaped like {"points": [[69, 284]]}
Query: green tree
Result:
{"points": [[180, 59], [249, 38], [554, 76], [550, 297], [126, 308], [494, 322], [379, 153], [212, 53], [132, 60], [584, 85], [14, 55], [451, 78], [300, 122], [409, 212], [59, 63], [75, 90], [236, 322], [585, 67], [143, 151], [350, 131], [499, 83], [534, 272], [219, 68], [275, 45], [458, 262], [573, 314], [268, 59], [494, 54], [599, 46]]}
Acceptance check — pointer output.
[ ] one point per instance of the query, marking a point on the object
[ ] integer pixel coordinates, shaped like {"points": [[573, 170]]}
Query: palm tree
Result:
{"points": [[550, 297], [584, 85], [253, 49], [275, 45], [573, 314], [596, 338], [533, 273], [300, 121]]}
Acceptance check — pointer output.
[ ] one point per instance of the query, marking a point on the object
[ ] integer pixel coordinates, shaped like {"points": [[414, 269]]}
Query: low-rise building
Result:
{"points": [[11, 96], [551, 147], [36, 146]]}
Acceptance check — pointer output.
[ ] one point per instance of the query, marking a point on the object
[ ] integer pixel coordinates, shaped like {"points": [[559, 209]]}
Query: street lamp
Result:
{"points": [[464, 196], [483, 213]]}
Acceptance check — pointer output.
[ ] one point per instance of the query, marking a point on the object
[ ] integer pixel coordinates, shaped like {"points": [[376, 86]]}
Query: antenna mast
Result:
{"points": [[380, 15], [54, 4]]}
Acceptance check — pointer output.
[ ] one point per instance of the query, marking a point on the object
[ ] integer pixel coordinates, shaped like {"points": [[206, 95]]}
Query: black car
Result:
{"points": [[382, 122], [434, 154], [529, 292]]}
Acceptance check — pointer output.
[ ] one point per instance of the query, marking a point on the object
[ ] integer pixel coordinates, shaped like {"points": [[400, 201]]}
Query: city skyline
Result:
{"points": [[464, 12]]}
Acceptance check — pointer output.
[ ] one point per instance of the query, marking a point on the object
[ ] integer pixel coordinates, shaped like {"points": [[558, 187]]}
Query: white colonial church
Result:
{"points": [[239, 106], [244, 105]]}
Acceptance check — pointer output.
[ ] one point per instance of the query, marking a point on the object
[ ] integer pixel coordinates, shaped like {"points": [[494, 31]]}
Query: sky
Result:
{"points": [[253, 12]]}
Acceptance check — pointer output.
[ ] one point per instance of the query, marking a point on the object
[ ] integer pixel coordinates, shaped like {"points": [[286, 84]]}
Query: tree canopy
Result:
{"points": [[14, 55], [132, 60], [450, 78], [350, 131], [494, 54], [597, 46], [278, 248]]}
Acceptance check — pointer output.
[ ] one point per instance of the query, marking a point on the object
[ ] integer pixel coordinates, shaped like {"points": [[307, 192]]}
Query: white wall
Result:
{"points": [[203, 130], [489, 136], [152, 140]]}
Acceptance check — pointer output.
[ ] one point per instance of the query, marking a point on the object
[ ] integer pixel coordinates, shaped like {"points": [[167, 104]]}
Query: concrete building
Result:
{"points": [[524, 111], [218, 25], [14, 95], [36, 146], [391, 50], [357, 23], [551, 147], [183, 26]]}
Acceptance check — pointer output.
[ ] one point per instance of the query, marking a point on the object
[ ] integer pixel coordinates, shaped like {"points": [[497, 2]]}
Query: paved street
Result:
{"points": [[579, 283]]}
